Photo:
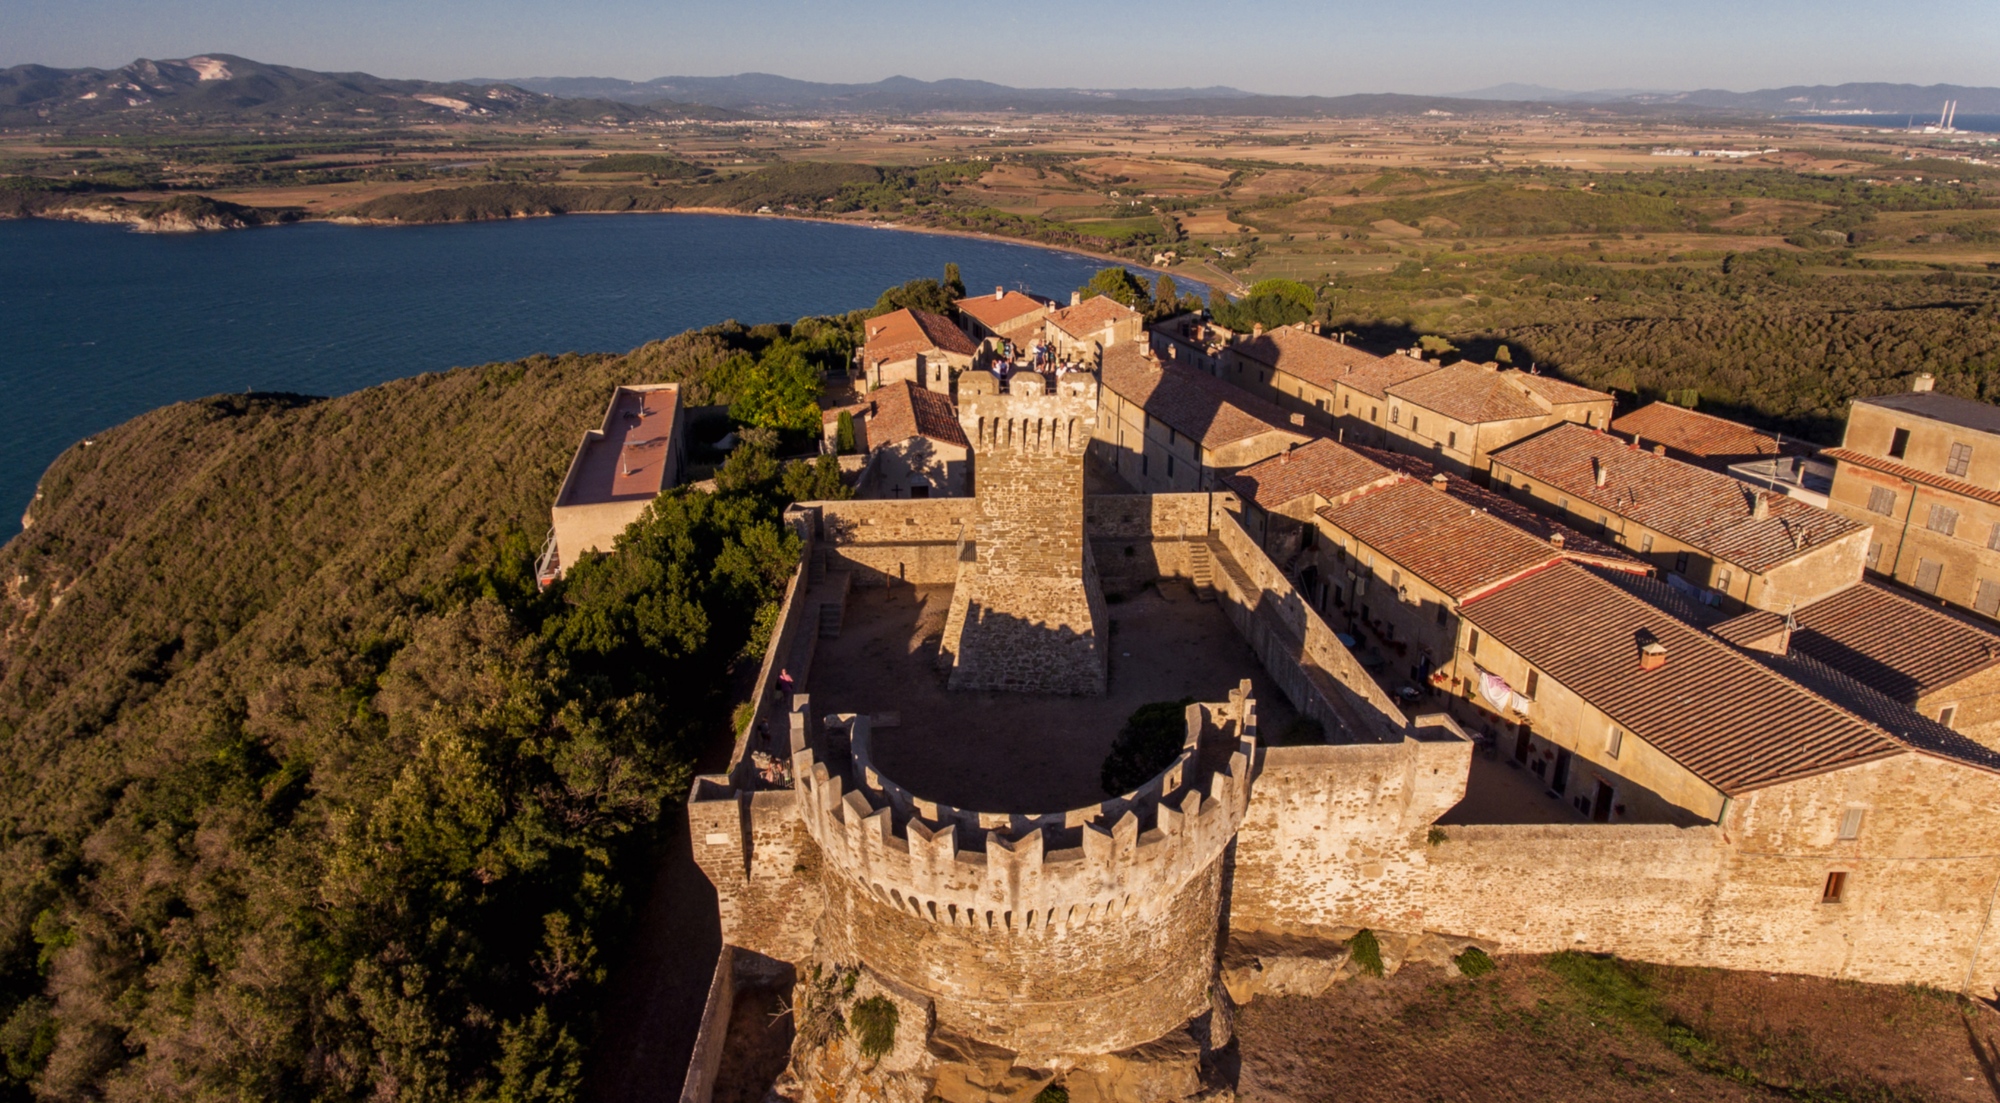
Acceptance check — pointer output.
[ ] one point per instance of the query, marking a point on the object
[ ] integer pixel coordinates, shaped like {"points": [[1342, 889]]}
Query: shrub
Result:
{"points": [[1150, 739], [843, 434], [1438, 835], [1366, 952], [1473, 962], [873, 1021], [1054, 1093]]}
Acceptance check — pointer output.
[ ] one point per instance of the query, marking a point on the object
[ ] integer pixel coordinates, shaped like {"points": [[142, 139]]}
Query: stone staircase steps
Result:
{"points": [[830, 617], [1201, 569]]}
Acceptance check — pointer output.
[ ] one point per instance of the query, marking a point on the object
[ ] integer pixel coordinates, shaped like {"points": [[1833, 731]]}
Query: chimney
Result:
{"points": [[1923, 383], [1659, 449], [1256, 329], [1075, 297], [1598, 472], [1760, 505], [1439, 482], [1652, 653], [1556, 540], [999, 293]]}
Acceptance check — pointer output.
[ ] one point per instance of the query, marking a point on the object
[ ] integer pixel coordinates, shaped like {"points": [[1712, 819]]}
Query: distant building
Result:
{"points": [[1783, 464], [1463, 412], [1088, 328], [915, 346], [1166, 429], [1712, 536], [1919, 467], [916, 448], [1188, 341], [1004, 315], [616, 473], [1296, 369]]}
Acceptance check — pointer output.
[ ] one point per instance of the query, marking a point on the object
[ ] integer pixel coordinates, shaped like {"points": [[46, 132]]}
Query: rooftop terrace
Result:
{"points": [[631, 457]]}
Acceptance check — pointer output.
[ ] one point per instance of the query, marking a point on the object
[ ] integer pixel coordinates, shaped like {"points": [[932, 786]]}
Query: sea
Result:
{"points": [[1976, 124], [99, 324]]}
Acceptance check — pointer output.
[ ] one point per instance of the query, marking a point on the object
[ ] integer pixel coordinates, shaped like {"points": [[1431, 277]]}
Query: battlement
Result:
{"points": [[1029, 419], [1016, 873]]}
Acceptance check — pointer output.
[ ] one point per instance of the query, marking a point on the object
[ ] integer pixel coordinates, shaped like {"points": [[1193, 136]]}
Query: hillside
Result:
{"points": [[304, 791]]}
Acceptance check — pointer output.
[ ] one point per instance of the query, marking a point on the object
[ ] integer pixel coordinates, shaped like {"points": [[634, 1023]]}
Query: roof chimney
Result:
{"points": [[1257, 329], [1598, 472], [1075, 297], [1652, 653], [1923, 383], [1438, 481], [1556, 540], [1760, 505], [999, 293], [1659, 449]]}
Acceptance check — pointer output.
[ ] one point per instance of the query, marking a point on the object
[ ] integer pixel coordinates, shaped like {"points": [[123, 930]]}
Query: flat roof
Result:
{"points": [[1949, 409], [629, 458]]}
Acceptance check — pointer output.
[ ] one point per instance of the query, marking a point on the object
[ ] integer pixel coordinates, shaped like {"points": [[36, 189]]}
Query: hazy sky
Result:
{"points": [[1261, 45]]}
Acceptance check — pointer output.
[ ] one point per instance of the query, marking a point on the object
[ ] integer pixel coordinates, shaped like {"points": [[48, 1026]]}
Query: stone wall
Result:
{"points": [[917, 541], [754, 848]]}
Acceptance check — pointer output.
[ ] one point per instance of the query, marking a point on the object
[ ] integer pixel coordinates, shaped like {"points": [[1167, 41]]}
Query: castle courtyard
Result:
{"points": [[1014, 752]]}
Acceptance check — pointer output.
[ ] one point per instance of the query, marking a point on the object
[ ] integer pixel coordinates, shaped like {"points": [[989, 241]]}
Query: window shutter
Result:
{"points": [[1988, 601], [1929, 573], [1882, 500]]}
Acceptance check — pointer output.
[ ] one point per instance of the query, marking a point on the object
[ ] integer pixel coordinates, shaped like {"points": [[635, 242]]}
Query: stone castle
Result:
{"points": [[911, 834]]}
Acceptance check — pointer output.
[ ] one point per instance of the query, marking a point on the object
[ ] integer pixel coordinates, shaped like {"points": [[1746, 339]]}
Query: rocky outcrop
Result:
{"points": [[1260, 963], [179, 215]]}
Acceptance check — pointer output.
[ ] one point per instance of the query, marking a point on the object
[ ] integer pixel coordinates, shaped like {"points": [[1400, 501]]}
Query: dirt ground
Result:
{"points": [[1575, 1027], [1012, 752]]}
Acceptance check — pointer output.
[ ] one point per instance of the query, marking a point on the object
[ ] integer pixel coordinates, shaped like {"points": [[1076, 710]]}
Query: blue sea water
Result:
{"points": [[98, 324]]}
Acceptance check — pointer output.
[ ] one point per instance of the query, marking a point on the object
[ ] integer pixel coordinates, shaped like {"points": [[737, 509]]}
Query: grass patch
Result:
{"points": [[1366, 951], [873, 1022], [1474, 962]]}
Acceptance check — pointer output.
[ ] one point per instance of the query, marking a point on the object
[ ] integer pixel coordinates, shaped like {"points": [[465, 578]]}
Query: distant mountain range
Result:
{"points": [[220, 88]]}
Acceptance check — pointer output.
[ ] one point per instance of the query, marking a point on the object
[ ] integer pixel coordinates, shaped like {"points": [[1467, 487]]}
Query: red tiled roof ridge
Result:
{"points": [[904, 410]]}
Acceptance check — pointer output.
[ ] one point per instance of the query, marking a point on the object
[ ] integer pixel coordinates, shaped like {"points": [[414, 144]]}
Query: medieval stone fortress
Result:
{"points": [[1463, 664]]}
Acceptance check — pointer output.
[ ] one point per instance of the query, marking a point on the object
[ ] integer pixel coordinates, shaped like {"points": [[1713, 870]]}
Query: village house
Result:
{"points": [[1919, 467], [1786, 465], [1463, 412], [1296, 369], [1934, 661], [1004, 316], [917, 346], [916, 447], [1362, 409], [1190, 341], [1719, 540], [1627, 713], [1085, 330], [1282, 495], [1166, 429], [617, 471]]}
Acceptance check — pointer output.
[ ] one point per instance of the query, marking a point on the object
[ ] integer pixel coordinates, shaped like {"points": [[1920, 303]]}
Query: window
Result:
{"points": [[1987, 600], [1899, 444], [1850, 823], [1961, 458], [1603, 524], [1374, 413], [1395, 415], [1346, 401], [1882, 500], [1616, 743], [1646, 543], [1170, 467], [1681, 563], [1563, 504], [1396, 579], [1534, 683], [1722, 581], [1142, 463], [1172, 437], [1472, 642], [1413, 423], [1875, 553], [1947, 714], [1836, 882], [1929, 573], [1451, 440], [1993, 537], [1440, 613], [1944, 519]]}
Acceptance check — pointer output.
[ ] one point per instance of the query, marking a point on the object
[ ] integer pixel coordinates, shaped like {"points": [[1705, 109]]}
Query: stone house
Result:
{"points": [[1726, 543], [617, 471], [1004, 315], [1189, 341], [1362, 406], [1297, 370], [1460, 414], [916, 447], [1935, 661], [1084, 331], [1629, 713], [1920, 468], [1704, 439], [915, 346], [1165, 429]]}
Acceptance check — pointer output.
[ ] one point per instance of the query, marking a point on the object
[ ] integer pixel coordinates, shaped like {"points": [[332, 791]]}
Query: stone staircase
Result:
{"points": [[831, 613], [1201, 569]]}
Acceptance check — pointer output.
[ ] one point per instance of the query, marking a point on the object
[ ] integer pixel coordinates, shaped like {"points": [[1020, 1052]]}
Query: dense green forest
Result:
{"points": [[307, 792]]}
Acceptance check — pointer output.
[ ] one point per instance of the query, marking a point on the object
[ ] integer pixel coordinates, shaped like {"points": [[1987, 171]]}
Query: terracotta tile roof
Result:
{"points": [[1576, 543], [1728, 719], [1702, 438], [1323, 467], [1452, 546], [998, 313], [1750, 627], [1318, 360], [908, 332], [1913, 730], [1470, 394], [1193, 404], [1558, 391], [1374, 379], [904, 410], [1088, 317], [1902, 647], [1916, 475], [1704, 509]]}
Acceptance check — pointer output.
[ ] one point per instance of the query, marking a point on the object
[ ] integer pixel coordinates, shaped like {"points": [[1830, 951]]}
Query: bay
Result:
{"points": [[99, 324]]}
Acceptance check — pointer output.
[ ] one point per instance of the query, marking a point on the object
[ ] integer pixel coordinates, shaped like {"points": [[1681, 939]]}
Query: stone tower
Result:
{"points": [[1026, 612]]}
